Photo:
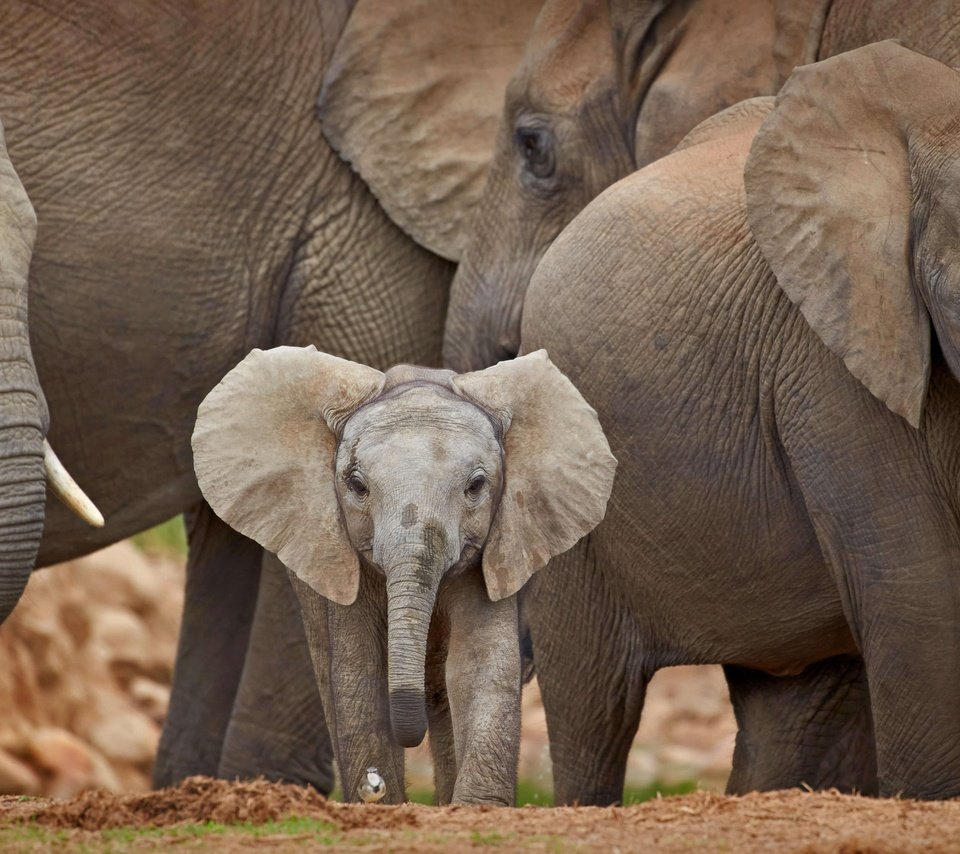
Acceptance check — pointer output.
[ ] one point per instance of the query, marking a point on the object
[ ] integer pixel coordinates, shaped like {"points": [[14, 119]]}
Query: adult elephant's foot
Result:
{"points": [[223, 576], [277, 729], [812, 730], [252, 750]]}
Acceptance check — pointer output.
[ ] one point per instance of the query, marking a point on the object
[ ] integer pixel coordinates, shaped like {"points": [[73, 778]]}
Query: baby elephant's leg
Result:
{"points": [[348, 644], [483, 686]]}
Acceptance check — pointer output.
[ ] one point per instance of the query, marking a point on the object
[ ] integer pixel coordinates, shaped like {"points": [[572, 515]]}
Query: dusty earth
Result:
{"points": [[203, 814]]}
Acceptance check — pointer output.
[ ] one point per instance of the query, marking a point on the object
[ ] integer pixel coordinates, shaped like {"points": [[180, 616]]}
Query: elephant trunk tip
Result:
{"points": [[408, 716]]}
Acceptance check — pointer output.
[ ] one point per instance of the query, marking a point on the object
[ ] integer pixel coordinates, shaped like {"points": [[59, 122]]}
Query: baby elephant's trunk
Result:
{"points": [[411, 591]]}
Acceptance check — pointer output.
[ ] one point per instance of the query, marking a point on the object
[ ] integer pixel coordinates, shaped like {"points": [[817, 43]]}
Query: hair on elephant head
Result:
{"points": [[416, 472], [853, 194]]}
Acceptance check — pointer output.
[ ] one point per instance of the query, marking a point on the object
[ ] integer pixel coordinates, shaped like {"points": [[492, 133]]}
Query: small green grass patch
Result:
{"points": [[34, 838], [168, 539], [530, 793], [492, 839]]}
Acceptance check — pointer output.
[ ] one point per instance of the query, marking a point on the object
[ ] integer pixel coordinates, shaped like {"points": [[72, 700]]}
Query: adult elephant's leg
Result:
{"points": [[590, 671], [885, 516], [223, 575], [348, 645], [277, 729], [813, 729]]}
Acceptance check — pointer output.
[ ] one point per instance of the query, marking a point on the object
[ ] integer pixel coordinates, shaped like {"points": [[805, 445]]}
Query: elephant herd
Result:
{"points": [[684, 277]]}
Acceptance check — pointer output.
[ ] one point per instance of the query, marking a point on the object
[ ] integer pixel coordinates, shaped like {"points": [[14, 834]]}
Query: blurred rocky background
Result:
{"points": [[86, 661]]}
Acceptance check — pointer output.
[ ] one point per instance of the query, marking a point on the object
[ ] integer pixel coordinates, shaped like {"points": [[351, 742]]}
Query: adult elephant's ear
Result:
{"points": [[558, 467], [263, 450], [830, 181], [412, 100]]}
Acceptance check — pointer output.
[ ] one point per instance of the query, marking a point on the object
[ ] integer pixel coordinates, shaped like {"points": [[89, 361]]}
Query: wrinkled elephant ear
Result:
{"points": [[263, 450], [558, 467], [412, 100], [829, 200]]}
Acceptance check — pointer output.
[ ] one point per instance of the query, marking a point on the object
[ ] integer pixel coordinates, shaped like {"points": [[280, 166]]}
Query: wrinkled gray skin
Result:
{"points": [[23, 410], [410, 507], [189, 209], [626, 107], [770, 513]]}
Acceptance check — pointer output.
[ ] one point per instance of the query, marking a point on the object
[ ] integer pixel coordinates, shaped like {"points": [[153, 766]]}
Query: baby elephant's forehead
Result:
{"points": [[423, 417]]}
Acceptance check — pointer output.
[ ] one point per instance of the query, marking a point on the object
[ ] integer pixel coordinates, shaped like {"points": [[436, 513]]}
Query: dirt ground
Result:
{"points": [[205, 814]]}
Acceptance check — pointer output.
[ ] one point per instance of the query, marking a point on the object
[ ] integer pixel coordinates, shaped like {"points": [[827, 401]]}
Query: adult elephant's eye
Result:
{"points": [[537, 150], [356, 485], [475, 486]]}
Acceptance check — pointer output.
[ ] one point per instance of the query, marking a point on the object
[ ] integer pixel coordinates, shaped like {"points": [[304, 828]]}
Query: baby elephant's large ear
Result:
{"points": [[558, 467], [263, 450]]}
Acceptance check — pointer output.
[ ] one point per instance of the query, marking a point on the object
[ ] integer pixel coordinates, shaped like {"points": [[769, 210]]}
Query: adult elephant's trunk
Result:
{"points": [[22, 490], [412, 583], [23, 413], [22, 425], [483, 318]]}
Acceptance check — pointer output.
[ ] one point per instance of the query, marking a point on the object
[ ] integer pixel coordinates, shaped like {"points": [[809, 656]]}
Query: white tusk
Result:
{"points": [[66, 489]]}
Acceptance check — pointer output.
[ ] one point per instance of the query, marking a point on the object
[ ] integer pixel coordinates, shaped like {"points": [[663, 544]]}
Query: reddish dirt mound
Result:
{"points": [[780, 821], [194, 801]]}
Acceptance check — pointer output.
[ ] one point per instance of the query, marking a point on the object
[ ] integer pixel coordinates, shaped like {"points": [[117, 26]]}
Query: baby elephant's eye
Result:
{"points": [[356, 485], [475, 486]]}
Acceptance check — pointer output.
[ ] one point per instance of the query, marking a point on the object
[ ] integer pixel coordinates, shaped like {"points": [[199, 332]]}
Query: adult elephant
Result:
{"points": [[189, 210], [605, 88], [776, 368]]}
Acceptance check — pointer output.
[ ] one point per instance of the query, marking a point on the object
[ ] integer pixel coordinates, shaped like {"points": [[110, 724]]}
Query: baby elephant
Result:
{"points": [[409, 508]]}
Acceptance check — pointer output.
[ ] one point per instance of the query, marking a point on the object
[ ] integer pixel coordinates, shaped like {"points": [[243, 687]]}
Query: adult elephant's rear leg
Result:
{"points": [[813, 729], [223, 575], [277, 729], [587, 659]]}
